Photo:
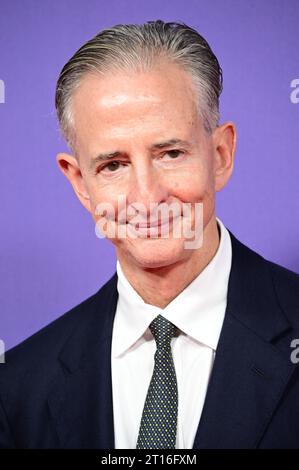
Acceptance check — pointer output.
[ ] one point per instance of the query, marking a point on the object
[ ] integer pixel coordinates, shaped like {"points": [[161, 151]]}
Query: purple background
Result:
{"points": [[50, 257]]}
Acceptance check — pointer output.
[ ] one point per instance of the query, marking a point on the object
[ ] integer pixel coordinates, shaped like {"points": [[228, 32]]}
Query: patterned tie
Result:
{"points": [[159, 418]]}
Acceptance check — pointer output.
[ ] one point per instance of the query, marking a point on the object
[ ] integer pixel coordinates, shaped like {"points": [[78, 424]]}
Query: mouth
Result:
{"points": [[154, 223], [154, 226]]}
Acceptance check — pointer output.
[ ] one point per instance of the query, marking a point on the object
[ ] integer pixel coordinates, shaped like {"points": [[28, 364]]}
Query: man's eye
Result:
{"points": [[111, 166], [173, 153]]}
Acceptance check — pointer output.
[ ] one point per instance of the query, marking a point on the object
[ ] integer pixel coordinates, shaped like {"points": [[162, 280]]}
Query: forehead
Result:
{"points": [[127, 103]]}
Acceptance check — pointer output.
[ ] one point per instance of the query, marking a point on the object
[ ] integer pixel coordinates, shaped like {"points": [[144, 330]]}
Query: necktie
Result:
{"points": [[158, 425]]}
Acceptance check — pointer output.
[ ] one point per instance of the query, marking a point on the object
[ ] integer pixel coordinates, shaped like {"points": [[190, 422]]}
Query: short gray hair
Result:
{"points": [[138, 47]]}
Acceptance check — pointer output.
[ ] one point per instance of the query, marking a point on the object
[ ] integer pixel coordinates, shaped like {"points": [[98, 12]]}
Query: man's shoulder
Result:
{"points": [[49, 340], [285, 281], [281, 273]]}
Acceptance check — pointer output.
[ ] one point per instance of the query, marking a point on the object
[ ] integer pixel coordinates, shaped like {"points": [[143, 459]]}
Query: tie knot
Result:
{"points": [[163, 331]]}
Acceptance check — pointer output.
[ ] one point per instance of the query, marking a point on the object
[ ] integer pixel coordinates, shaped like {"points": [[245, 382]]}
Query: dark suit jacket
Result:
{"points": [[55, 388]]}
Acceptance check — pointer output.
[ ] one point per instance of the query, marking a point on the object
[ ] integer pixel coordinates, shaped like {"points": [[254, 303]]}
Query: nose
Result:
{"points": [[147, 189]]}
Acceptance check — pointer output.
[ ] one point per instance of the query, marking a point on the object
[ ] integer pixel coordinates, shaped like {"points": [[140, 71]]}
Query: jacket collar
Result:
{"points": [[251, 294]]}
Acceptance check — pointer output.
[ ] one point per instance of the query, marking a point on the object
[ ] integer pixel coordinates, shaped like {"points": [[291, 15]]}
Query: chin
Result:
{"points": [[156, 253]]}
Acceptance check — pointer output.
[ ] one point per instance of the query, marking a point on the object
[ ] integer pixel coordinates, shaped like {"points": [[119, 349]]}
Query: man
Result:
{"points": [[186, 346]]}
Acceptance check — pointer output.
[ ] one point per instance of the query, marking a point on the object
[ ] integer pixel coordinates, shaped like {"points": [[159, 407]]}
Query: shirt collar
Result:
{"points": [[198, 311]]}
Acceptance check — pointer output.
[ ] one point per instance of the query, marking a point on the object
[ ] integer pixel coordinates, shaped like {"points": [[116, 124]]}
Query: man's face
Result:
{"points": [[162, 154]]}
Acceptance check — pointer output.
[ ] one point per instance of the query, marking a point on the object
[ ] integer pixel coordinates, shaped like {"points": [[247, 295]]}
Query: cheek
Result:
{"points": [[100, 194], [108, 204], [192, 185]]}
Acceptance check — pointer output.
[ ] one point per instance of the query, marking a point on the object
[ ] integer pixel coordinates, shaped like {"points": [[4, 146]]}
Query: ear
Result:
{"points": [[70, 167], [224, 139]]}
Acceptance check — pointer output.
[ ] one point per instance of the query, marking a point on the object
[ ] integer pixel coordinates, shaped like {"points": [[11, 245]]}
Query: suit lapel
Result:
{"points": [[80, 404], [250, 373]]}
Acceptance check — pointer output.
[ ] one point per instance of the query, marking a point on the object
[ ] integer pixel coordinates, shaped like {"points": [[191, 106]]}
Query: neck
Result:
{"points": [[174, 278]]}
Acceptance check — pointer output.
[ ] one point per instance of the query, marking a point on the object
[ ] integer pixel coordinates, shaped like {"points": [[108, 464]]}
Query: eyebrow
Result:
{"points": [[158, 146]]}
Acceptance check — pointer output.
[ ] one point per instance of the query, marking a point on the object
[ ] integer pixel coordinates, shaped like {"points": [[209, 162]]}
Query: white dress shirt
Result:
{"points": [[198, 311]]}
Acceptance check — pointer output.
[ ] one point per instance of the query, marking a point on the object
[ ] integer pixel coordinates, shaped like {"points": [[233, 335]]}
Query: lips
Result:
{"points": [[154, 223]]}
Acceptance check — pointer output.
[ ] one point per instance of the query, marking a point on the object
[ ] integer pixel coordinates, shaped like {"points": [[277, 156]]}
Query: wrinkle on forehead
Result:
{"points": [[123, 98]]}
